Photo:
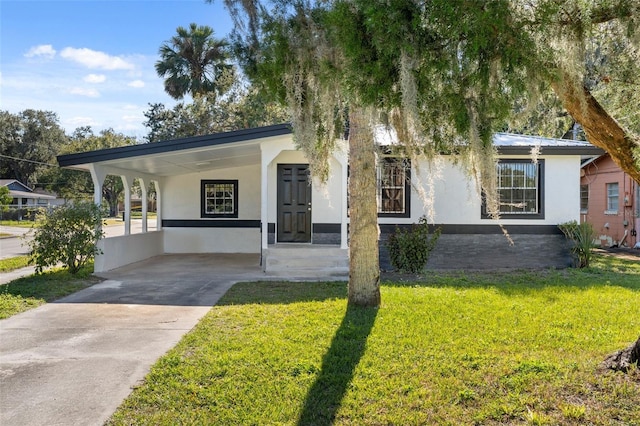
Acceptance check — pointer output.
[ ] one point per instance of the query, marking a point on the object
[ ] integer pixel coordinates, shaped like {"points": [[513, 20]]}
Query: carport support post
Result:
{"points": [[127, 182], [143, 195], [263, 206], [98, 175], [158, 185], [344, 238]]}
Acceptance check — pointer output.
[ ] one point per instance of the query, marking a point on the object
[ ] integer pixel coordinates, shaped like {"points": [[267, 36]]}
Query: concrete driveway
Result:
{"points": [[74, 361]]}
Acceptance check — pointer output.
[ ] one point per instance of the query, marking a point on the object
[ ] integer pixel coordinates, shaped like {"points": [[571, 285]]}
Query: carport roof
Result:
{"points": [[180, 155]]}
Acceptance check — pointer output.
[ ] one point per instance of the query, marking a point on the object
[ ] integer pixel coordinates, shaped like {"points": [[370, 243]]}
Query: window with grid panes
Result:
{"points": [[612, 198], [520, 189], [219, 198], [394, 176]]}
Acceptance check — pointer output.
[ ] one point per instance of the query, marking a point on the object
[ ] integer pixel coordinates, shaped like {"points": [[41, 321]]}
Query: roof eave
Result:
{"points": [[551, 150], [84, 158]]}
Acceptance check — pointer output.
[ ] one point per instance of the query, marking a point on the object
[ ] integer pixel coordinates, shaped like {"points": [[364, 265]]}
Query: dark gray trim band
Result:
{"points": [[318, 228], [482, 229], [173, 145], [326, 228], [204, 223]]}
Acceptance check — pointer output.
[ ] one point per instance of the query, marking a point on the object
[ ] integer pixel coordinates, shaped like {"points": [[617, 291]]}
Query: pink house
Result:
{"points": [[610, 201]]}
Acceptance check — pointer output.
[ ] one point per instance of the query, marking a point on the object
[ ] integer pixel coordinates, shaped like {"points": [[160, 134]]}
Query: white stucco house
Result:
{"points": [[249, 191]]}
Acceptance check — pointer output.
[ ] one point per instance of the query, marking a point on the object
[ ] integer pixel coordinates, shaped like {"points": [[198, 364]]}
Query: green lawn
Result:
{"points": [[19, 223], [29, 292], [489, 349], [11, 263]]}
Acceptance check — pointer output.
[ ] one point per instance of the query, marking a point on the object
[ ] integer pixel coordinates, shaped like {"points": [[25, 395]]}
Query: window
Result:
{"points": [[394, 190], [584, 198], [520, 189], [612, 198], [219, 198]]}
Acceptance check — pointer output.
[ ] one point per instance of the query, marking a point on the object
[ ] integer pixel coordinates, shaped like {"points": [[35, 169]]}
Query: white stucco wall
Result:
{"points": [[126, 249], [182, 193], [182, 202], [448, 196], [212, 240]]}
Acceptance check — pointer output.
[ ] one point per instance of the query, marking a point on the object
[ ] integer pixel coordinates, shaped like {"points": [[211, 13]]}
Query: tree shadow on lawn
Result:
{"points": [[347, 346], [338, 364]]}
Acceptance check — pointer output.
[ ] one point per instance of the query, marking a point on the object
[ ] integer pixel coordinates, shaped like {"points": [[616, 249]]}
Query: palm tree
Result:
{"points": [[195, 62]]}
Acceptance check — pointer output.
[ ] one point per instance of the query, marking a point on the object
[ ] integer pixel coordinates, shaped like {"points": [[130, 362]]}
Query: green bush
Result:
{"points": [[67, 235], [409, 249], [581, 235]]}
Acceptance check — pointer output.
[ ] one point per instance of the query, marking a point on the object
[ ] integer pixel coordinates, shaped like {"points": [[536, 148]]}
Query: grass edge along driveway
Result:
{"points": [[491, 348]]}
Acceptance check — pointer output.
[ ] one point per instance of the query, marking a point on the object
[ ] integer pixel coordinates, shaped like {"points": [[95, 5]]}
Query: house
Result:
{"points": [[25, 197], [610, 202], [249, 191]]}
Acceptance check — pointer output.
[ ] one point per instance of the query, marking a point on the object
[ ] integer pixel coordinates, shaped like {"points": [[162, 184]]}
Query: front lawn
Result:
{"points": [[29, 292], [494, 348]]}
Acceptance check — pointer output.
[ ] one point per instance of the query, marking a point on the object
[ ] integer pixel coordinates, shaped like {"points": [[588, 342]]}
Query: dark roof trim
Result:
{"points": [[173, 145], [551, 150]]}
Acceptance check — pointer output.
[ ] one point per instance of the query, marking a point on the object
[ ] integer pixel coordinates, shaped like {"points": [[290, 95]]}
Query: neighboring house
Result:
{"points": [[610, 201], [25, 197], [249, 191]]}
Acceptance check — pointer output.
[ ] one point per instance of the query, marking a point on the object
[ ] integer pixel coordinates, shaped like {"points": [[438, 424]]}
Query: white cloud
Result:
{"points": [[136, 83], [95, 60], [95, 78], [91, 93], [75, 122], [45, 50]]}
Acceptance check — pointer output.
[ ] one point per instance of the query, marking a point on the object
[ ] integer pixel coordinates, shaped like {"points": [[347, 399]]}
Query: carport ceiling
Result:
{"points": [[189, 155], [182, 162]]}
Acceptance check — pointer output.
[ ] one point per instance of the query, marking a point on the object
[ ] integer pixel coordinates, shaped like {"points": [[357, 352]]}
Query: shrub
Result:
{"points": [[581, 235], [409, 249], [68, 235]]}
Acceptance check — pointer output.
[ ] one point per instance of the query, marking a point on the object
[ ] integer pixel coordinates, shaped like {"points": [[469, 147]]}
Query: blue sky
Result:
{"points": [[92, 62]]}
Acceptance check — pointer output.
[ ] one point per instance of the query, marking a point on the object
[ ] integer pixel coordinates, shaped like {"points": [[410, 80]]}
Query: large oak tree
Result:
{"points": [[444, 73]]}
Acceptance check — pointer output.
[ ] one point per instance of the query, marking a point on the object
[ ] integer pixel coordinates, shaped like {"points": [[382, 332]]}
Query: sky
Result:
{"points": [[90, 61]]}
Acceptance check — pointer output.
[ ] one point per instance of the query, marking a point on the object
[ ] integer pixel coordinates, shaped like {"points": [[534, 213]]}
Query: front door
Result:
{"points": [[294, 203]]}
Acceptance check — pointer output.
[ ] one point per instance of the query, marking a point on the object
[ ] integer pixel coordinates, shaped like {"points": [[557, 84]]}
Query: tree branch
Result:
{"points": [[601, 129]]}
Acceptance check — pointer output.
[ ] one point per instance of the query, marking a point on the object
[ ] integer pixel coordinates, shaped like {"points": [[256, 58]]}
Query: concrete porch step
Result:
{"points": [[306, 260]]}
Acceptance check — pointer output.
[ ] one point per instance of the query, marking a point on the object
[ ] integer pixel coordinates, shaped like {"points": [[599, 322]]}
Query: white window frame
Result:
{"points": [[513, 183], [400, 183], [227, 195], [613, 198], [584, 196]]}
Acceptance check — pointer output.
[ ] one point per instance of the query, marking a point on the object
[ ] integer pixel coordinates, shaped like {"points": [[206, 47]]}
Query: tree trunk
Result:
{"points": [[601, 129], [364, 265], [622, 360]]}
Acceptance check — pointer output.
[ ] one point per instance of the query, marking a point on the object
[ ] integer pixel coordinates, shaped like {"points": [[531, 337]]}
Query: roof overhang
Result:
{"points": [[181, 156], [33, 195]]}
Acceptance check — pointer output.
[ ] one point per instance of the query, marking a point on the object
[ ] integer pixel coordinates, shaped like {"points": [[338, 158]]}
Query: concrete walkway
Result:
{"points": [[74, 361]]}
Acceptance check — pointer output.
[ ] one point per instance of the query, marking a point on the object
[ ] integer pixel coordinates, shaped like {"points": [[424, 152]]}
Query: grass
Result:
{"points": [[19, 223], [29, 292], [496, 348], [12, 263]]}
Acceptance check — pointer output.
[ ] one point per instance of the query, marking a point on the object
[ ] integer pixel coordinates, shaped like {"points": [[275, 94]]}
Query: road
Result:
{"points": [[18, 245]]}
